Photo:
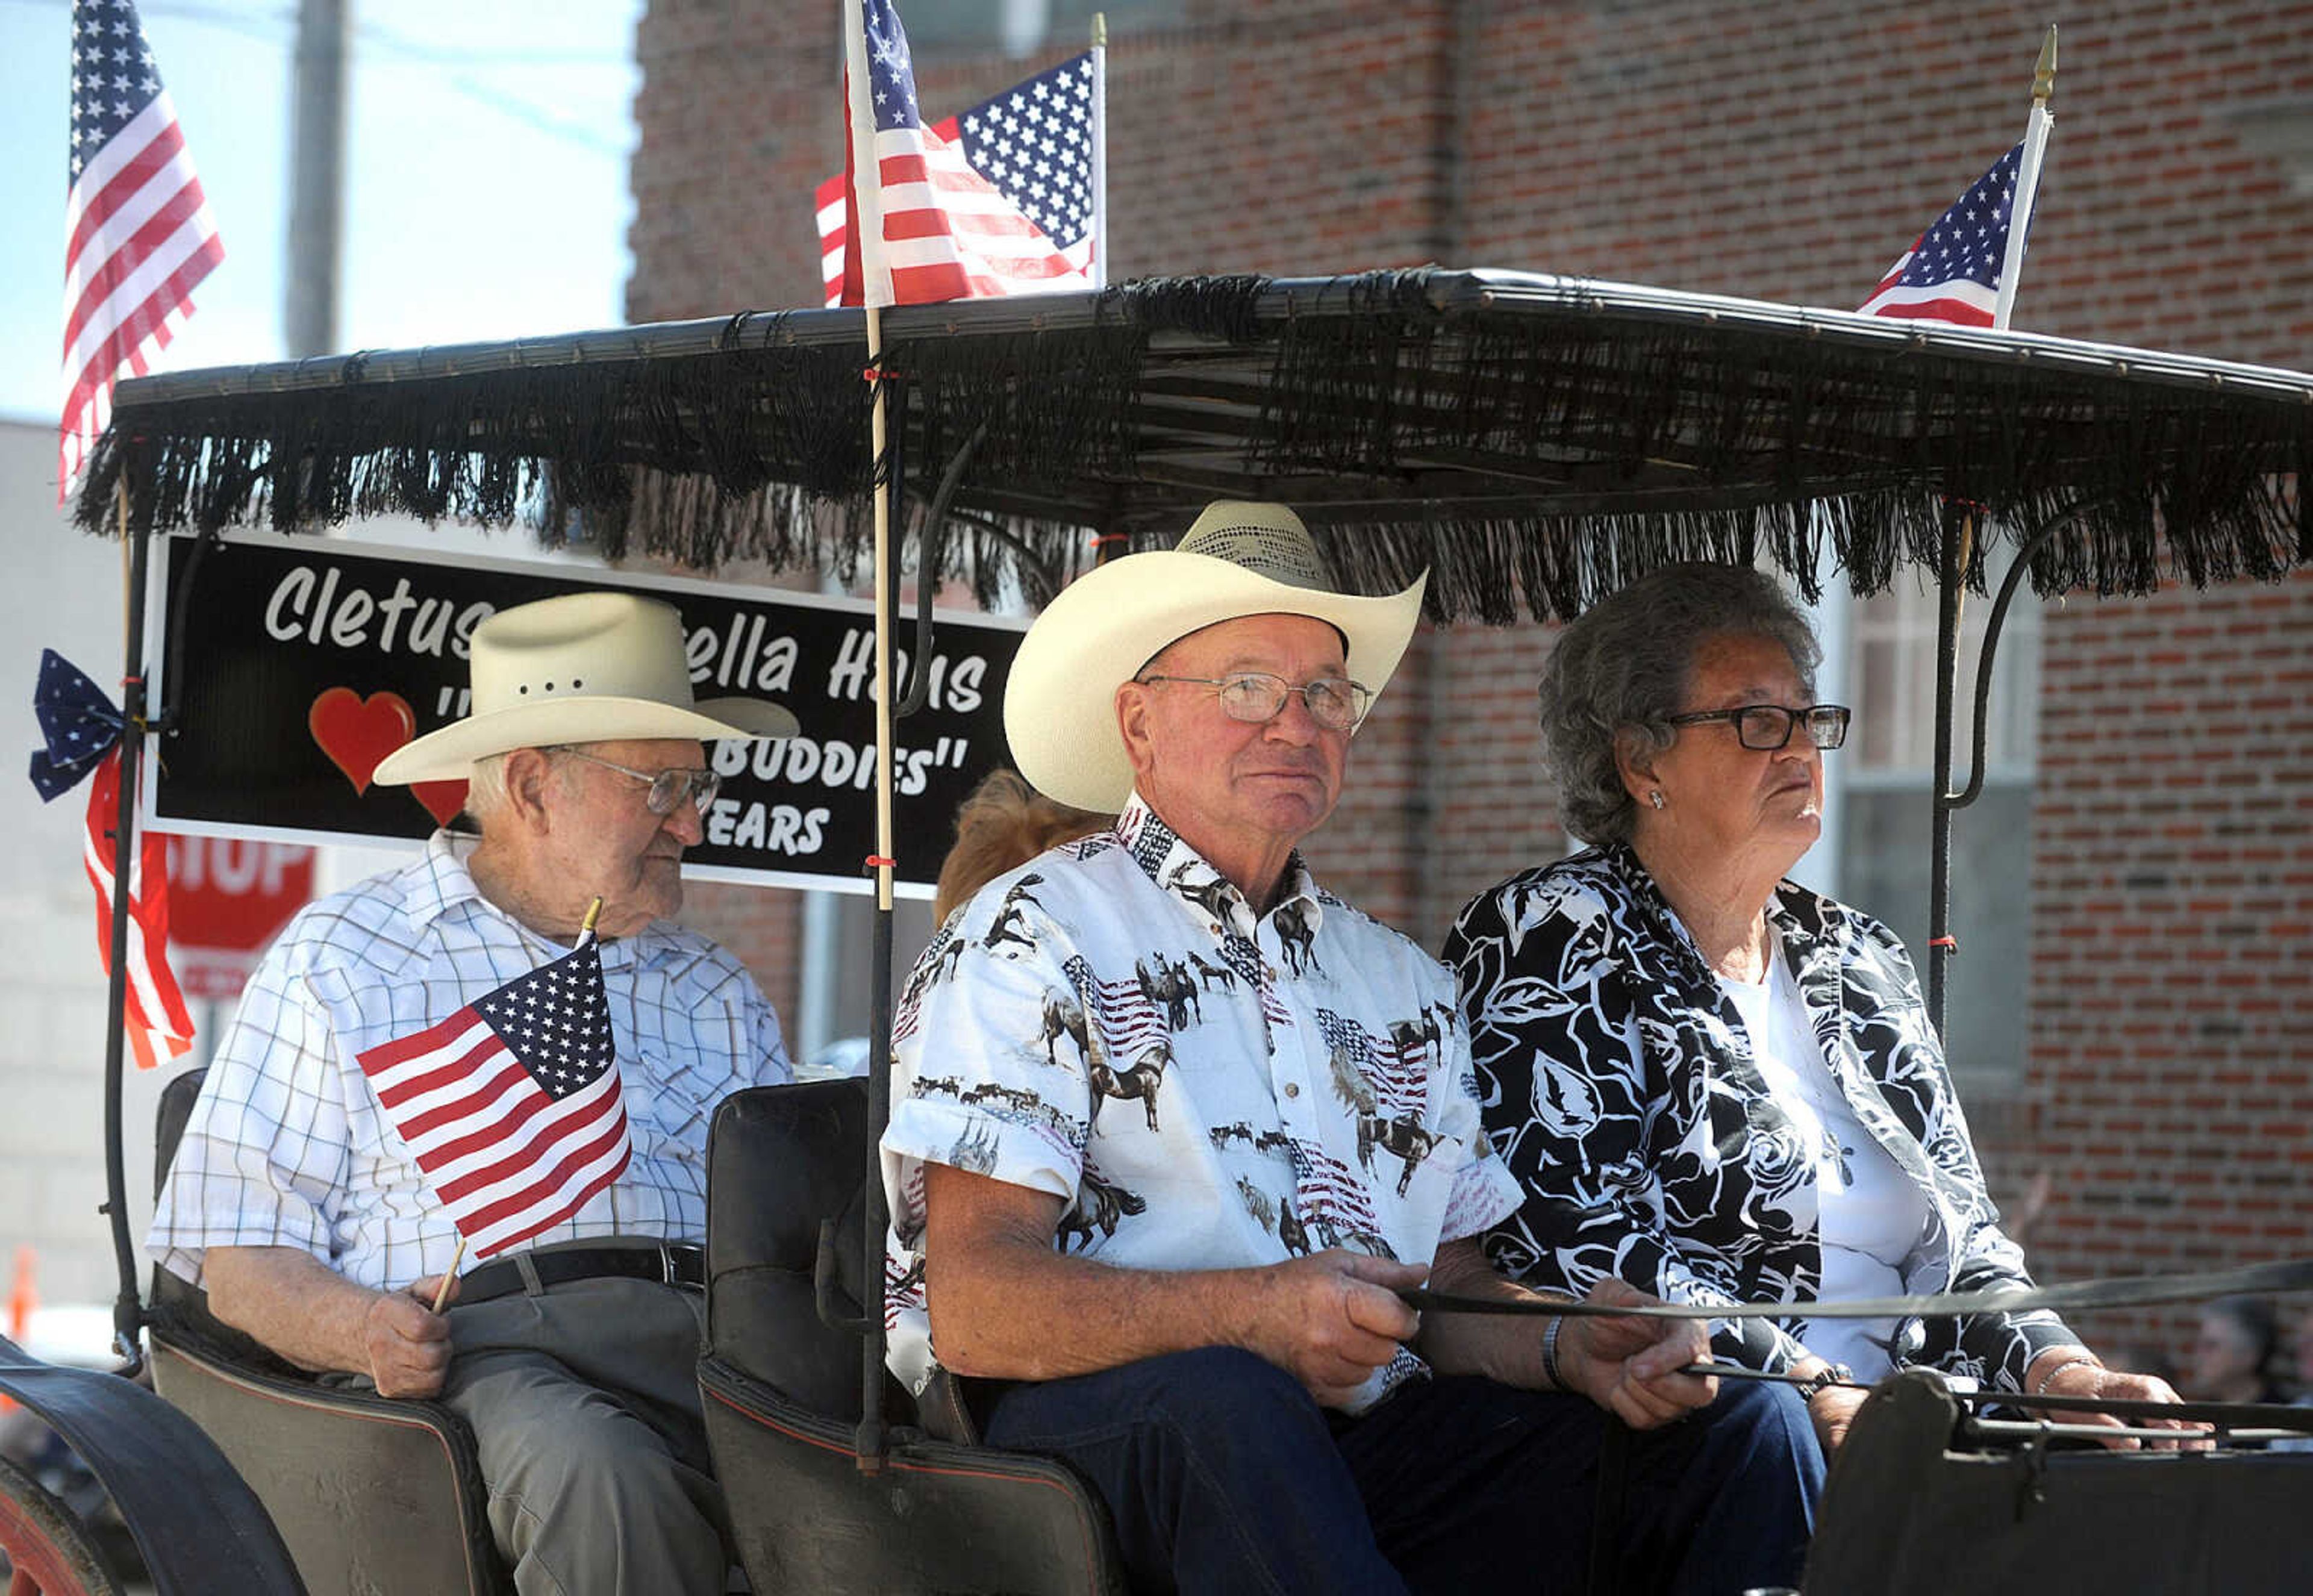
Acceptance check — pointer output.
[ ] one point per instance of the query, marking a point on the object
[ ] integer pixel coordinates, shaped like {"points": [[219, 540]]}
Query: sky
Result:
{"points": [[486, 159]]}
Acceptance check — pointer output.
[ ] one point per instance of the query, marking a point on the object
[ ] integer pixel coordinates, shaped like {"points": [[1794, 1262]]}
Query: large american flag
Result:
{"points": [[138, 235], [998, 200], [1951, 272], [510, 1106]]}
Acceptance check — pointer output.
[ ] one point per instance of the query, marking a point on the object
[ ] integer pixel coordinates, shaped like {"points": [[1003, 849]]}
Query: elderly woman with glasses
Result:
{"points": [[1711, 1082]]}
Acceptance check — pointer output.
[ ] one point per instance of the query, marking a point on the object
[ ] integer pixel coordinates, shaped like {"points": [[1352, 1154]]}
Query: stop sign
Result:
{"points": [[227, 899]]}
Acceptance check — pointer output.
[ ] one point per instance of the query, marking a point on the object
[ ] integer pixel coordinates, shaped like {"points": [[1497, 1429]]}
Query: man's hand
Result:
{"points": [[309, 1314], [1629, 1366], [409, 1343], [1332, 1317]]}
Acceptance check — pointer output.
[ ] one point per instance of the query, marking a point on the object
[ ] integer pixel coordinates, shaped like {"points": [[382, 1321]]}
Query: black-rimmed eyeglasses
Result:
{"points": [[1766, 727], [1335, 702], [668, 787]]}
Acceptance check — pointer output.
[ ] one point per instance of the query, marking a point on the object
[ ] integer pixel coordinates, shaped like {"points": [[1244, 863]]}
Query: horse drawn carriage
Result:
{"points": [[1534, 442]]}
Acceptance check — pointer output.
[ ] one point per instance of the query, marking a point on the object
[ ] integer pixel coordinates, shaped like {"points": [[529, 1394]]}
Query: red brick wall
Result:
{"points": [[1786, 152], [2172, 979]]}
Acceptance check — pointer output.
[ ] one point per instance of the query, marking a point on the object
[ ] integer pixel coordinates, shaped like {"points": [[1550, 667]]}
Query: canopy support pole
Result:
{"points": [[127, 1307]]}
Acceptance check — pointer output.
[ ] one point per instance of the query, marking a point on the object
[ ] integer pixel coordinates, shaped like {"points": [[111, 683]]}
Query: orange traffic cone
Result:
{"points": [[22, 1298]]}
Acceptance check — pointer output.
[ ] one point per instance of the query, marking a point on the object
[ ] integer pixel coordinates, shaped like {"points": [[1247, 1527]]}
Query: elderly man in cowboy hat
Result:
{"points": [[296, 1203], [1173, 1126]]}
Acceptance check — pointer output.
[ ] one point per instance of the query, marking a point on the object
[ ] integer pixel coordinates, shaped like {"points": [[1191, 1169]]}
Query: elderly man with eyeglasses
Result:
{"points": [[296, 1203], [1173, 1127]]}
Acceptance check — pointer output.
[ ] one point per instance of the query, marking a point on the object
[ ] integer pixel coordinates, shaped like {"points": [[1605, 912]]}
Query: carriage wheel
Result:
{"points": [[44, 1549]]}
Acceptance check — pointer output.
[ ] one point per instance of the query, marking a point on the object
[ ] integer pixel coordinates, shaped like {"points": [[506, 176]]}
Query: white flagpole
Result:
{"points": [[1100, 149], [2027, 179], [874, 293]]}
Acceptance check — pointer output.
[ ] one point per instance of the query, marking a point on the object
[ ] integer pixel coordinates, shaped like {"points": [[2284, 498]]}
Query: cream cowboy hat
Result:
{"points": [[1239, 559], [599, 666]]}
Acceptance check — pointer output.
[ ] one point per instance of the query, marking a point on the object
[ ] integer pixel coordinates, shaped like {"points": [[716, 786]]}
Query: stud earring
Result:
{"points": [[1654, 796]]}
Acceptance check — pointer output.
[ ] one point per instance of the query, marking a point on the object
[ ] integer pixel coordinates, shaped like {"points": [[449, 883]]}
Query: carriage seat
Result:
{"points": [[370, 1493], [780, 1388]]}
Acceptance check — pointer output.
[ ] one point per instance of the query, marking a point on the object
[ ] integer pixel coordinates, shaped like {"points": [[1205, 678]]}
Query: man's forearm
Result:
{"points": [[1504, 1348], [292, 1304], [1026, 1313]]}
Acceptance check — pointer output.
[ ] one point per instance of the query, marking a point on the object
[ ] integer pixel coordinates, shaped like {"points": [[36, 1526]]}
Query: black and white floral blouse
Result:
{"points": [[1618, 1085]]}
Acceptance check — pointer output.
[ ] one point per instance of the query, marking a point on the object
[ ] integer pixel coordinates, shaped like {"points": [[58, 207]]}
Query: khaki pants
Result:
{"points": [[584, 1403]]}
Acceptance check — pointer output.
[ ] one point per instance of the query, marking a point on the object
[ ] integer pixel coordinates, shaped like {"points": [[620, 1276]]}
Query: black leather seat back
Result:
{"points": [[780, 1390], [1903, 1514], [179, 1307], [370, 1493], [780, 1160]]}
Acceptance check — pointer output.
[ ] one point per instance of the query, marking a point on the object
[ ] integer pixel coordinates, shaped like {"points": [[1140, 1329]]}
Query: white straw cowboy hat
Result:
{"points": [[1239, 559], [599, 666]]}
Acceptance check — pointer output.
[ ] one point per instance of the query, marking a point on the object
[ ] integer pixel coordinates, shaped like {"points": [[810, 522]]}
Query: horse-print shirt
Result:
{"points": [[1111, 1024], [1619, 1087]]}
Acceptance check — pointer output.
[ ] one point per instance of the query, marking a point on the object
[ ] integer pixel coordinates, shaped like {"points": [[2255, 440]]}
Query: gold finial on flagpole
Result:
{"points": [[2044, 74], [593, 913], [1100, 29]]}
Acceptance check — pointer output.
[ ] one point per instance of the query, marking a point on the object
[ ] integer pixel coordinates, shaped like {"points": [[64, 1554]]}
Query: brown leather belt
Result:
{"points": [[670, 1263]]}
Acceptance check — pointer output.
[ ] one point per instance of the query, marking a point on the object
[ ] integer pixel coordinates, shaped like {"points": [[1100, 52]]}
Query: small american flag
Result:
{"points": [[510, 1106], [138, 235], [1952, 272], [997, 201]]}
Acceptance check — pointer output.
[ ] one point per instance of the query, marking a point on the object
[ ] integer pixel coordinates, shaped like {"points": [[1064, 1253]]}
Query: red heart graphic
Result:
{"points": [[441, 799], [357, 733]]}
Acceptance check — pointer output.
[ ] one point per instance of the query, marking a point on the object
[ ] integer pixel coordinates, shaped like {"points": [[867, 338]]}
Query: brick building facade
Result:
{"points": [[2166, 1096]]}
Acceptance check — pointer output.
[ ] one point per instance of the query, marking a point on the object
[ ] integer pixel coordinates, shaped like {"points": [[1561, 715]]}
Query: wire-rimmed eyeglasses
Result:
{"points": [[1766, 727], [668, 787], [1334, 701]]}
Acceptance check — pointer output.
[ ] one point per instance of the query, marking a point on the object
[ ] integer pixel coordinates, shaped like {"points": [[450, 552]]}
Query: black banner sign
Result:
{"points": [[302, 662]]}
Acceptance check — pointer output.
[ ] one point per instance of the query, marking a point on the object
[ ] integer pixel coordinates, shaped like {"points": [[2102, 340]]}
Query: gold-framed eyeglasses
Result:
{"points": [[668, 787], [1334, 701], [1766, 727]]}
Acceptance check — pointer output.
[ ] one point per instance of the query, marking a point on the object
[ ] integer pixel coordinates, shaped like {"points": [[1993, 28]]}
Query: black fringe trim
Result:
{"points": [[1533, 459]]}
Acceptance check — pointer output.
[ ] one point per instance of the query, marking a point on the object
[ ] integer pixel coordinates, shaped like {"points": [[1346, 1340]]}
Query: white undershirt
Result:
{"points": [[1871, 1215]]}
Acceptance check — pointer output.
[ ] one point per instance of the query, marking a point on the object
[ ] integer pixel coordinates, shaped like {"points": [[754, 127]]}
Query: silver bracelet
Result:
{"points": [[2049, 1378], [1550, 1352]]}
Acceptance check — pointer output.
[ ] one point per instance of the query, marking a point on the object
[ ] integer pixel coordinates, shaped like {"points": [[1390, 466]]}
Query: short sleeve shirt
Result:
{"points": [[1206, 1087], [287, 1146]]}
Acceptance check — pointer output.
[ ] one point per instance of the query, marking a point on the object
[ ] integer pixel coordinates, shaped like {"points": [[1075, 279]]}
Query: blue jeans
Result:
{"points": [[1222, 1474]]}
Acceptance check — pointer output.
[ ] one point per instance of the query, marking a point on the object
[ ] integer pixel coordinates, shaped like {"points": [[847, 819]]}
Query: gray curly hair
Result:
{"points": [[1620, 671]]}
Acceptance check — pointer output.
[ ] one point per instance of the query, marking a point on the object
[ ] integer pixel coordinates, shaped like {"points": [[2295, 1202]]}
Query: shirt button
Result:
{"points": [[1292, 1089], [1216, 927]]}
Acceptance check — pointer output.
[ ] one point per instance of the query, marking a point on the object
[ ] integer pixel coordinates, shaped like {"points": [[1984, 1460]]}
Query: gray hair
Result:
{"points": [[1619, 671], [486, 789]]}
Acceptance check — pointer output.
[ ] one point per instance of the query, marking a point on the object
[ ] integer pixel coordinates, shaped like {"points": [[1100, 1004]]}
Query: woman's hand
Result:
{"points": [[1630, 1366], [2074, 1372]]}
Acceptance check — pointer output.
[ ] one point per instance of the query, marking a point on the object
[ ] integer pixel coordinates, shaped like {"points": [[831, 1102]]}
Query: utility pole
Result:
{"points": [[316, 178]]}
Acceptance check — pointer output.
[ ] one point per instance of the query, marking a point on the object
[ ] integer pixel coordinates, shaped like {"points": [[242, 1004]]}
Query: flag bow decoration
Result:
{"points": [[82, 731], [511, 1105]]}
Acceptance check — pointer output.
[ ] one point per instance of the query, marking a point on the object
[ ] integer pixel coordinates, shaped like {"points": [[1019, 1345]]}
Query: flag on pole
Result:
{"points": [[138, 235], [998, 200], [511, 1105], [157, 1022], [1952, 272], [82, 733]]}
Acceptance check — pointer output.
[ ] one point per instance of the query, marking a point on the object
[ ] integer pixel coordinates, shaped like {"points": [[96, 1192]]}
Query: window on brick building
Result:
{"points": [[1884, 795], [1020, 26]]}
